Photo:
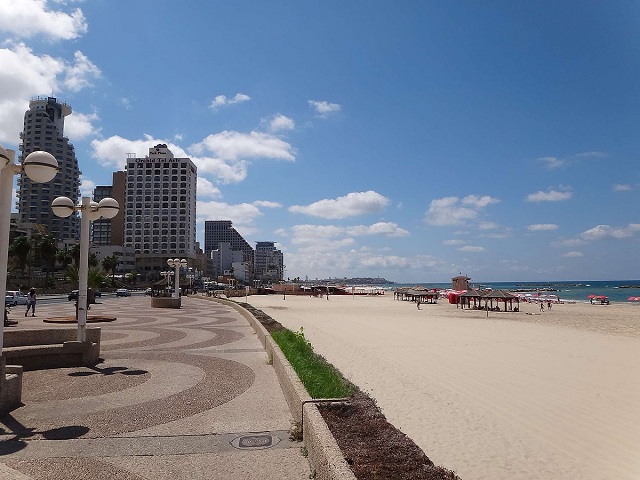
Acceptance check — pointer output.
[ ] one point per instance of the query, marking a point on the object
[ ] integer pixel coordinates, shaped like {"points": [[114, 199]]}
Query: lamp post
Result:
{"points": [[177, 263], [89, 210], [40, 167]]}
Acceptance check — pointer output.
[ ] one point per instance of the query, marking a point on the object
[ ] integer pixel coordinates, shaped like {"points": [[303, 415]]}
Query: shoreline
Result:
{"points": [[528, 395]]}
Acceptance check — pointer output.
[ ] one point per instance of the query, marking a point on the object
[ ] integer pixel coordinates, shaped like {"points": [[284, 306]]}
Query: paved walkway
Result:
{"points": [[181, 394]]}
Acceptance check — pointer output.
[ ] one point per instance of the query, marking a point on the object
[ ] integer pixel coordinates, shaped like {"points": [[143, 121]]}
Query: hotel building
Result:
{"points": [[160, 208], [219, 232], [44, 130]]}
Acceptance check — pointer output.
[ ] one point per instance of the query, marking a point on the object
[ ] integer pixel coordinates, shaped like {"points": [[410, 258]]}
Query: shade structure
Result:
{"points": [[634, 299]]}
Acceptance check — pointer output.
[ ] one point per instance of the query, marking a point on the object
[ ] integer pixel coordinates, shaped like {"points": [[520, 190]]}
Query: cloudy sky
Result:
{"points": [[411, 140]]}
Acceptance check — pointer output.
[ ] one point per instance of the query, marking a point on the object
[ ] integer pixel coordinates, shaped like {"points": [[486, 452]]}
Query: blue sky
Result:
{"points": [[411, 140]]}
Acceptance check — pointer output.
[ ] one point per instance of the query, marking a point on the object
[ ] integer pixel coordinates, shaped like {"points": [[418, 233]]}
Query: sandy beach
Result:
{"points": [[527, 395]]}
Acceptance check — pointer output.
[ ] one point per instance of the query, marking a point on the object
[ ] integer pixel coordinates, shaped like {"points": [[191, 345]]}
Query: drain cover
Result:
{"points": [[255, 442]]}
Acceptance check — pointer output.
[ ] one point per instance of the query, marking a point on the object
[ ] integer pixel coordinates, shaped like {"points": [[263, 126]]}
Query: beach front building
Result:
{"points": [[217, 232], [160, 209], [228, 262], [269, 265], [44, 130]]}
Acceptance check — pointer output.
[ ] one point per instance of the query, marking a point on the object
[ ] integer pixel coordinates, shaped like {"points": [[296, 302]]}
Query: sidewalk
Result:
{"points": [[181, 394]]}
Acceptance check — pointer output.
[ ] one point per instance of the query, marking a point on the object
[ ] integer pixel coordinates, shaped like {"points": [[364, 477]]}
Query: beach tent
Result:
{"points": [[502, 296]]}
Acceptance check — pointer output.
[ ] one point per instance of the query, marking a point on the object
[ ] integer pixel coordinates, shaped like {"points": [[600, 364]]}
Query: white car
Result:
{"points": [[15, 297], [123, 292]]}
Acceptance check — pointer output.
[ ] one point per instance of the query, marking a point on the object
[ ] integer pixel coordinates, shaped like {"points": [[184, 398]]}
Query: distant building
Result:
{"points": [[228, 262], [160, 208], [44, 130], [100, 231], [269, 264], [222, 231], [126, 257]]}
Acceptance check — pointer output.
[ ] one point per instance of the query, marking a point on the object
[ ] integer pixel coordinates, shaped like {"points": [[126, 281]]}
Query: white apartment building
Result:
{"points": [[160, 210]]}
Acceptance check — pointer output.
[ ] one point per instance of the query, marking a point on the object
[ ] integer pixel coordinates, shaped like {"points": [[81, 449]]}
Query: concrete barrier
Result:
{"points": [[166, 302], [325, 457], [42, 348]]}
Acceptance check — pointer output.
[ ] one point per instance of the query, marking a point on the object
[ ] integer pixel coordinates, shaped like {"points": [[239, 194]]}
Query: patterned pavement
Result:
{"points": [[185, 393]]}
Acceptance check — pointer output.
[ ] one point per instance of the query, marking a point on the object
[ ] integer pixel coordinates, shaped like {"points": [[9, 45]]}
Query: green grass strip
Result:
{"points": [[321, 379]]}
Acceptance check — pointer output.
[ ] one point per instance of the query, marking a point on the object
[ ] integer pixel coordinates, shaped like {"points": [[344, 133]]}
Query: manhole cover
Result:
{"points": [[255, 442]]}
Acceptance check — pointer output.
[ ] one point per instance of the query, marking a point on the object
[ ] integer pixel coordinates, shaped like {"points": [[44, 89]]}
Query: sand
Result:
{"points": [[528, 395]]}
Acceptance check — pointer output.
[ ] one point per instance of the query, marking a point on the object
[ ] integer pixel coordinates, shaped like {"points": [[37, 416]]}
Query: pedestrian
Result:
{"points": [[418, 304], [542, 306], [31, 302], [549, 305]]}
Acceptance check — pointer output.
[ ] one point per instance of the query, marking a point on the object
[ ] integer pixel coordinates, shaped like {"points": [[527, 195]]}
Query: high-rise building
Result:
{"points": [[222, 231], [160, 208], [269, 265], [44, 130], [100, 232]]}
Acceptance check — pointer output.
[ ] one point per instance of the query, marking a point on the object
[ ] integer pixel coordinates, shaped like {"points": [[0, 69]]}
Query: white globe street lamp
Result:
{"points": [[40, 167], [89, 210], [177, 263]]}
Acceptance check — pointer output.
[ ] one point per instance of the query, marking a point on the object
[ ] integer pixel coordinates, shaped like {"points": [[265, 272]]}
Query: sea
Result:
{"points": [[617, 291]]}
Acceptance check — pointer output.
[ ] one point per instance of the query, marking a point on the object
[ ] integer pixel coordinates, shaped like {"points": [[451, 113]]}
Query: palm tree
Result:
{"points": [[19, 250], [110, 264], [48, 250]]}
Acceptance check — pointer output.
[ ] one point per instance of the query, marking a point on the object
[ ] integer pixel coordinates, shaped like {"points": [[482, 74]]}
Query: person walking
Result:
{"points": [[31, 302]]}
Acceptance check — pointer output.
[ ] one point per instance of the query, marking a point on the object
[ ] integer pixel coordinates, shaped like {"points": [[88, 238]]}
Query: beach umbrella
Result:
{"points": [[591, 296], [634, 299], [601, 297]]}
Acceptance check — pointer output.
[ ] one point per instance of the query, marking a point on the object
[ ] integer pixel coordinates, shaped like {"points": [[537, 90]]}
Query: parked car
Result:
{"points": [[15, 297], [148, 291], [73, 295], [123, 292]]}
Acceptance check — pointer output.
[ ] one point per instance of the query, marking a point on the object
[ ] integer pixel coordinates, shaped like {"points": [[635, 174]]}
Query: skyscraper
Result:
{"points": [[160, 208], [44, 130], [222, 231]]}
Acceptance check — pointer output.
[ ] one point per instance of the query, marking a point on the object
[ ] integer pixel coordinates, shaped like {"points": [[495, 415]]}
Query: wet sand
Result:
{"points": [[527, 395]]}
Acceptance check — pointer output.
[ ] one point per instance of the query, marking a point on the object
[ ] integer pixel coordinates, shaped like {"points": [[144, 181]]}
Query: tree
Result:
{"points": [[110, 264], [19, 250], [48, 250], [64, 258]]}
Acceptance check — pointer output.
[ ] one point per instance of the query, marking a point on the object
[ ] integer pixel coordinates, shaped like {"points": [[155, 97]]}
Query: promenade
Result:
{"points": [[183, 393]]}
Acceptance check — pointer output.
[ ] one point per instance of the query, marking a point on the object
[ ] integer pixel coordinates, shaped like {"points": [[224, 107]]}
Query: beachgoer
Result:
{"points": [[542, 306], [418, 304], [549, 305], [31, 302]]}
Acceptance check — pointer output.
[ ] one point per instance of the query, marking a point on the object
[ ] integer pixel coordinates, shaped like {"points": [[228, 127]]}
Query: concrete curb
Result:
{"points": [[325, 456]]}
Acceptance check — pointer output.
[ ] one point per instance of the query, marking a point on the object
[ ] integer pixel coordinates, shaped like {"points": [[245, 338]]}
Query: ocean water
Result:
{"points": [[573, 290]]}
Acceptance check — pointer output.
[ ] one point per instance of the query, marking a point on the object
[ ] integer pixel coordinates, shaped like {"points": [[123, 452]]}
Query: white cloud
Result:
{"points": [[552, 163], [28, 18], [470, 248], [573, 255], [351, 205], [222, 100], [600, 232], [267, 204], [207, 189], [488, 225], [550, 196], [387, 229], [621, 187], [80, 73], [86, 187], [25, 75], [540, 227], [125, 102], [78, 126], [228, 162], [454, 242], [242, 215], [479, 202], [280, 122], [456, 211], [324, 108]]}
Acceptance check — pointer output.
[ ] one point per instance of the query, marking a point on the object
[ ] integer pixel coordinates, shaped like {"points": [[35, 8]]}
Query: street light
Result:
{"points": [[177, 263], [40, 167], [89, 210]]}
